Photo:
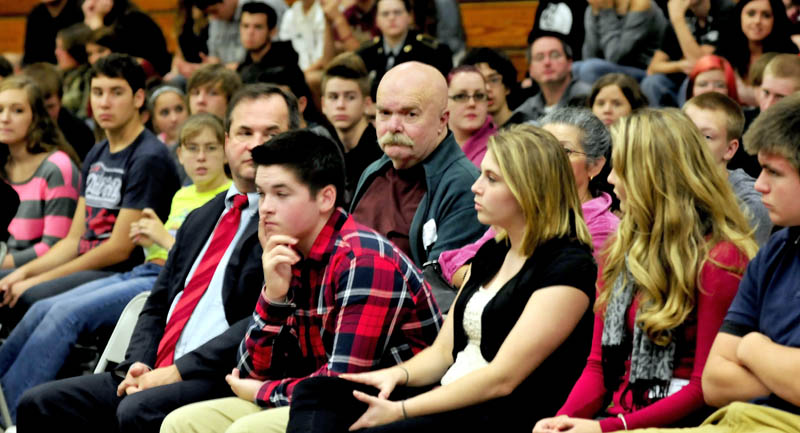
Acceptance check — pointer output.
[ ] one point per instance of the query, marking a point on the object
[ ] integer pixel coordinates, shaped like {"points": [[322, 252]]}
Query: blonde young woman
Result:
{"points": [[669, 275], [518, 326]]}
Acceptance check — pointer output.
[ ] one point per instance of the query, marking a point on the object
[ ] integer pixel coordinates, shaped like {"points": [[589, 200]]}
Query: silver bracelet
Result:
{"points": [[405, 414], [619, 415]]}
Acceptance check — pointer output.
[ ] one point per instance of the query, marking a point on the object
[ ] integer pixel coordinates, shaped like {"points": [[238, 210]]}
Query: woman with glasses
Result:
{"points": [[468, 103]]}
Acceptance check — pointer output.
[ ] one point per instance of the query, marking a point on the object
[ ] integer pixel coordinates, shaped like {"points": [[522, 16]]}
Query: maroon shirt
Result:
{"points": [[362, 23], [390, 202]]}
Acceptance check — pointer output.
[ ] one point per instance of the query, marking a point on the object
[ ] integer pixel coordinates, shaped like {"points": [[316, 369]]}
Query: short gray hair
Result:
{"points": [[595, 138]]}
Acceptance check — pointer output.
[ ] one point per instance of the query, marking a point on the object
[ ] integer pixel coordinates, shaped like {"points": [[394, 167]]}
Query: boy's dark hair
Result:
{"points": [[6, 68], [315, 160], [261, 90], [406, 4], [74, 39], [210, 75], [262, 8], [348, 66], [116, 65], [105, 37], [497, 61], [536, 35], [629, 87], [47, 77], [287, 76]]}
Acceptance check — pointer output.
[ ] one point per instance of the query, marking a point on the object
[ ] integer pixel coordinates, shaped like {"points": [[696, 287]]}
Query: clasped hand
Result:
{"points": [[148, 230], [381, 410], [13, 286], [141, 377]]}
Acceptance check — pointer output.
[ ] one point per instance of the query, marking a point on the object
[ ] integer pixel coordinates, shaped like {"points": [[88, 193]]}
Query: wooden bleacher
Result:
{"points": [[497, 24]]}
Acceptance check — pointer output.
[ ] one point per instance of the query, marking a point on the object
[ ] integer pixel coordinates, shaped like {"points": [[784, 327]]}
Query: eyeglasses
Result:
{"points": [[464, 97], [554, 55], [495, 80], [571, 152], [194, 149], [389, 13]]}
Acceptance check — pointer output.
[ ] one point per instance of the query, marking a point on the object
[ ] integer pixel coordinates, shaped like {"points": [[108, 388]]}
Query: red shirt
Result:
{"points": [[390, 202], [355, 304], [719, 288]]}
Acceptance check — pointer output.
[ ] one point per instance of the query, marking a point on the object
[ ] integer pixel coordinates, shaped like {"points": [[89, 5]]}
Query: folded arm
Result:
{"points": [[726, 379]]}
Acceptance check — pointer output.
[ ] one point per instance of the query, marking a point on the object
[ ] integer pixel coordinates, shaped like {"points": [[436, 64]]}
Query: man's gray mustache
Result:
{"points": [[395, 138]]}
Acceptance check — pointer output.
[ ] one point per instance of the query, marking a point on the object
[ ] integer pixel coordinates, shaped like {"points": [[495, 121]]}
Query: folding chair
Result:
{"points": [[5, 415], [118, 342]]}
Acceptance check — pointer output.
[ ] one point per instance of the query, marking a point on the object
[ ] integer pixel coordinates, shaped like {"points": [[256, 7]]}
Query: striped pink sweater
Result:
{"points": [[47, 204]]}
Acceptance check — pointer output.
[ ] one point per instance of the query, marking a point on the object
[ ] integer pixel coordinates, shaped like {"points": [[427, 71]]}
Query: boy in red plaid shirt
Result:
{"points": [[339, 297]]}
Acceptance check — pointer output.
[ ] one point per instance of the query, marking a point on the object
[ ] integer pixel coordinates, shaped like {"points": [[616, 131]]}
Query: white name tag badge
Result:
{"points": [[429, 235], [675, 385]]}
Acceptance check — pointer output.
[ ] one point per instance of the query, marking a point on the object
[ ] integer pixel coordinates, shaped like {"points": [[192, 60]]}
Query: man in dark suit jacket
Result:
{"points": [[398, 43], [143, 389]]}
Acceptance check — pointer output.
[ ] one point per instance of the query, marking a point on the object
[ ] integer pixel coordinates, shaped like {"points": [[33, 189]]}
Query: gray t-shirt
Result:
{"points": [[629, 39], [750, 202]]}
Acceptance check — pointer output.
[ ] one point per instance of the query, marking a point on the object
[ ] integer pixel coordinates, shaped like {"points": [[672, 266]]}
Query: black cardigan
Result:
{"points": [[558, 261]]}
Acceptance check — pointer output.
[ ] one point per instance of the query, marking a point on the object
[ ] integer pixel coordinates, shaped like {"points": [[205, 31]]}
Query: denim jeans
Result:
{"points": [[589, 70], [9, 317], [37, 348], [661, 91]]}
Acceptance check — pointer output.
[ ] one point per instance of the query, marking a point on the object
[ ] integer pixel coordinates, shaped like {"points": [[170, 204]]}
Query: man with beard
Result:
{"points": [[550, 67], [418, 193]]}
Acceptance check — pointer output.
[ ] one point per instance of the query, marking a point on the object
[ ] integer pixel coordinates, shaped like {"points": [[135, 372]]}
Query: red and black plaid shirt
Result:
{"points": [[356, 303]]}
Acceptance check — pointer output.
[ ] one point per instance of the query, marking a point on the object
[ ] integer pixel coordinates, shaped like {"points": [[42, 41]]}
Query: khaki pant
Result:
{"points": [[741, 417], [228, 415]]}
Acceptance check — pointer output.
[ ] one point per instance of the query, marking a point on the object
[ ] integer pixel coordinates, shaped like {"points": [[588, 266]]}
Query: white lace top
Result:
{"points": [[470, 358]]}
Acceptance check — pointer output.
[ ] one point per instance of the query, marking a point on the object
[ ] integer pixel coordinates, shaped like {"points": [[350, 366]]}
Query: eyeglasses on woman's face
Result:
{"points": [[464, 97]]}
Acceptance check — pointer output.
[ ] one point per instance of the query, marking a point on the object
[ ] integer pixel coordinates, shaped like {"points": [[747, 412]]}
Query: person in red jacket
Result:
{"points": [[668, 277]]}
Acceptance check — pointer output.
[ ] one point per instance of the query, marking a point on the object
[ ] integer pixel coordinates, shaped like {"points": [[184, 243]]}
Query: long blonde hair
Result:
{"points": [[538, 173], [678, 205]]}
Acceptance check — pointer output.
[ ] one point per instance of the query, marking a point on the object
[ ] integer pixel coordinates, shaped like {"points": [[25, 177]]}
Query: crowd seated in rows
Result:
{"points": [[381, 180]]}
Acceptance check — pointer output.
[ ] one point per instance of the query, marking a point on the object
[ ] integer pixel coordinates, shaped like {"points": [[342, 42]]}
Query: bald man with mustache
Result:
{"points": [[418, 193]]}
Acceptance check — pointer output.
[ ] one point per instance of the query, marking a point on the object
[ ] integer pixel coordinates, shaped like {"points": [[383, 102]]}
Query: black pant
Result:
{"points": [[327, 405], [90, 404]]}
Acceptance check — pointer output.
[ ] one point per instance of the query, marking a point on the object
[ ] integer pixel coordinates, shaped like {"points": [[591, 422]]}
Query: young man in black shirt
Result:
{"points": [[256, 28], [345, 96]]}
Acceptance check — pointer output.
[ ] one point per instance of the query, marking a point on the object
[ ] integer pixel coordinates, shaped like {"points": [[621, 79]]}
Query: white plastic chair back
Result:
{"points": [[5, 415], [118, 342]]}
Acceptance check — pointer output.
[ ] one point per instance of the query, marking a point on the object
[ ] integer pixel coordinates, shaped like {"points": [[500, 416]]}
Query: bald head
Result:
{"points": [[418, 79], [412, 114]]}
